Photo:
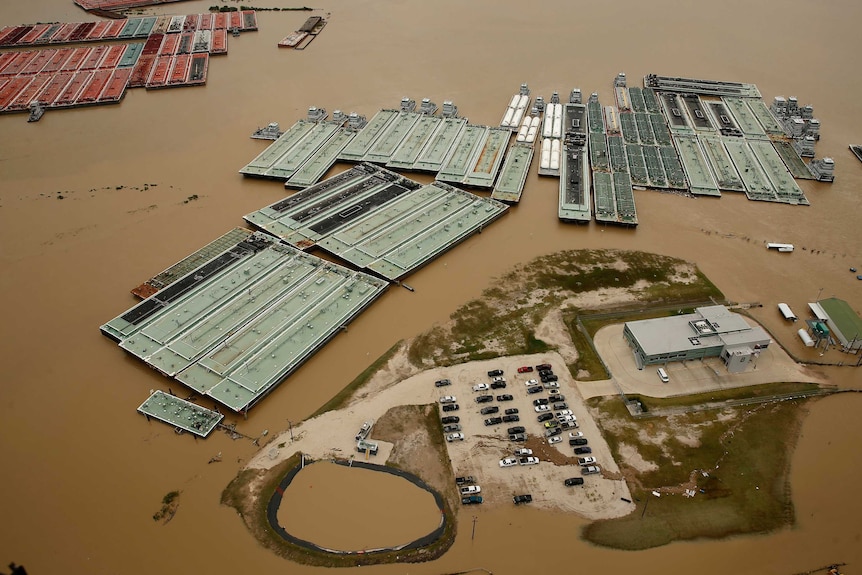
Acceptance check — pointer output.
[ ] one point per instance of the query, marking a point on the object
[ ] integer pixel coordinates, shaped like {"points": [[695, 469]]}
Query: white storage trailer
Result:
{"points": [[787, 312]]}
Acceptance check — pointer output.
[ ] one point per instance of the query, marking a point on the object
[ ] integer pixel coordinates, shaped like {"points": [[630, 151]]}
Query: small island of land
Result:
{"points": [[704, 455]]}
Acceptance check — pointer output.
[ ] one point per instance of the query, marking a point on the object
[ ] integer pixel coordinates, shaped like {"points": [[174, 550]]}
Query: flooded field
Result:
{"points": [[83, 474], [352, 509]]}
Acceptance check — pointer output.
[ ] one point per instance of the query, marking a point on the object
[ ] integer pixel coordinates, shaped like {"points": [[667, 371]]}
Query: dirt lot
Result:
{"points": [[331, 434]]}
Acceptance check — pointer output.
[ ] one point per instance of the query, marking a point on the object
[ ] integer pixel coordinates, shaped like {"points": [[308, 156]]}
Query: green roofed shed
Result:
{"points": [[844, 322]]}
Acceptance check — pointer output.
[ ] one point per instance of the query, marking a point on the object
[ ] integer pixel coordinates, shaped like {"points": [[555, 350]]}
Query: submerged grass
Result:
{"points": [[745, 454]]}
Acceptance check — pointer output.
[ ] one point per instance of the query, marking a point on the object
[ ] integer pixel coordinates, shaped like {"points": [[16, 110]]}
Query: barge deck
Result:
{"points": [[510, 184]]}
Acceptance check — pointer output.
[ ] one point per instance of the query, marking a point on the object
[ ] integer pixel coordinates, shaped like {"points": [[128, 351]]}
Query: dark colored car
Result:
{"points": [[549, 378], [505, 397], [495, 372], [511, 418], [511, 410], [535, 389], [484, 398], [556, 396], [451, 428], [464, 480], [547, 416], [583, 450], [473, 499], [442, 382], [574, 481], [546, 372], [578, 441], [498, 385], [542, 366], [516, 429], [489, 410], [451, 407], [525, 369], [450, 419], [561, 405], [517, 437], [540, 401], [554, 431], [519, 499], [493, 421]]}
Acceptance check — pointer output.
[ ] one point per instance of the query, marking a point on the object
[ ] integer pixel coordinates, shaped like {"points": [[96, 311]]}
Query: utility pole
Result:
{"points": [[473, 535], [818, 295], [290, 426]]}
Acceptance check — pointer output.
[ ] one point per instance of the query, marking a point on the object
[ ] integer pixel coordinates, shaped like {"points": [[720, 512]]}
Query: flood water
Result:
{"points": [[351, 509], [82, 473]]}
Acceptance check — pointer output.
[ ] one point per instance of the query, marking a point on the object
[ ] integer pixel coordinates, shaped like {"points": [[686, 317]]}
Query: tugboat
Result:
{"points": [[450, 110], [36, 111], [270, 132], [407, 104], [427, 107], [316, 114]]}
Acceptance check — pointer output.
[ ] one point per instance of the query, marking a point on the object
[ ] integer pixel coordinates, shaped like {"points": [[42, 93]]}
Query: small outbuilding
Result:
{"points": [[844, 324]]}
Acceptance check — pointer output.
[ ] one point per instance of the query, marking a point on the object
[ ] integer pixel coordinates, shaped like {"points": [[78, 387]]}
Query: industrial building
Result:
{"points": [[711, 331], [845, 325]]}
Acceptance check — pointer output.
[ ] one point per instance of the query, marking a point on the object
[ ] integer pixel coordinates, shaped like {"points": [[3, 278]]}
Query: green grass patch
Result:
{"points": [[746, 454], [739, 393], [343, 396]]}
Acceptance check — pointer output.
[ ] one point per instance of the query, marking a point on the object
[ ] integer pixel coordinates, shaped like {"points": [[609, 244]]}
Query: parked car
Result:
{"points": [[547, 371], [541, 408], [525, 369], [472, 500], [455, 437], [574, 481], [464, 480], [540, 401], [451, 428], [498, 385], [542, 366], [451, 407], [551, 385], [519, 499], [448, 399], [528, 461], [543, 417], [505, 397], [523, 451], [575, 434], [516, 429], [450, 419], [493, 421], [590, 470], [508, 462], [498, 379], [569, 424], [535, 389], [481, 387], [511, 418], [550, 424], [484, 398], [555, 439], [549, 377], [517, 437], [578, 441], [471, 489], [442, 383], [583, 450], [530, 382], [561, 405], [495, 372], [566, 418], [511, 410], [555, 395], [489, 410], [564, 412], [584, 461], [553, 431]]}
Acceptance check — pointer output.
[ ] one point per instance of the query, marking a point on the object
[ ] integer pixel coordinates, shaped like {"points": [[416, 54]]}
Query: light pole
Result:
{"points": [[818, 295]]}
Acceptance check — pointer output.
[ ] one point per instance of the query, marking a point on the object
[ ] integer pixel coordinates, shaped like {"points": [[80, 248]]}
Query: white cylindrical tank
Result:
{"points": [[549, 122], [546, 154], [557, 131], [522, 134], [531, 134], [516, 118], [515, 99], [507, 119], [806, 339], [555, 154], [534, 123], [522, 104]]}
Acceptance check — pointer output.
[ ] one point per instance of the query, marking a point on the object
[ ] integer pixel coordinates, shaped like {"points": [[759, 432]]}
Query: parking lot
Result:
{"points": [[484, 446]]}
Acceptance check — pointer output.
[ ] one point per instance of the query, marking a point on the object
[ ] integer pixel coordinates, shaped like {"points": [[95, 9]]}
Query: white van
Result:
{"points": [[662, 375]]}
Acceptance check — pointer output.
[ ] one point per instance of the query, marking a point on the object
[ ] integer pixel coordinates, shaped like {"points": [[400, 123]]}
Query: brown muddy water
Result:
{"points": [[82, 473], [353, 509]]}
